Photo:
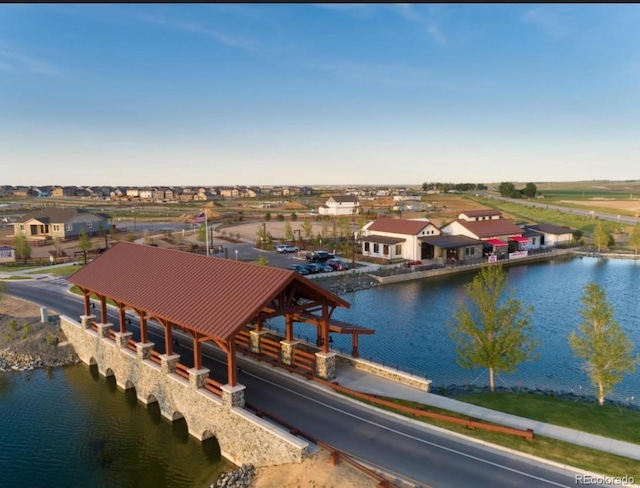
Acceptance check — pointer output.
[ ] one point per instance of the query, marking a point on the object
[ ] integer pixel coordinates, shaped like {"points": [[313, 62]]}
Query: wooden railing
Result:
{"points": [[270, 348], [304, 360], [182, 370], [212, 386], [131, 344], [154, 356], [112, 335], [243, 340]]}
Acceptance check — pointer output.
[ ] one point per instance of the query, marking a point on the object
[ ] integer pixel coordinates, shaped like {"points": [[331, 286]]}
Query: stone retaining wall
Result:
{"points": [[244, 438], [388, 373]]}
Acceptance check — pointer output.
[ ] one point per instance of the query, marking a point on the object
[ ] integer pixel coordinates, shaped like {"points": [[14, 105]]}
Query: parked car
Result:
{"points": [[284, 248], [313, 268], [325, 267], [338, 265], [319, 256], [299, 268]]}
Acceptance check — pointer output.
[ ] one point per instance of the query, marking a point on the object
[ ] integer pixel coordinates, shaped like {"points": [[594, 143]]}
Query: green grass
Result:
{"points": [[16, 278], [62, 271], [608, 421], [11, 268], [544, 447]]}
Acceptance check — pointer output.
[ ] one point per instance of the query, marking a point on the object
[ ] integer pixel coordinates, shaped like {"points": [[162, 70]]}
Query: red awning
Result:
{"points": [[496, 242], [520, 239]]}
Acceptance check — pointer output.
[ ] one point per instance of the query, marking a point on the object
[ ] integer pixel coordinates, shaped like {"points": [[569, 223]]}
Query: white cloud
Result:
{"points": [[14, 61], [548, 19], [436, 34]]}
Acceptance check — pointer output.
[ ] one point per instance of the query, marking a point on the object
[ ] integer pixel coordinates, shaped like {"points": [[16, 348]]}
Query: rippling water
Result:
{"points": [[411, 318], [71, 427]]}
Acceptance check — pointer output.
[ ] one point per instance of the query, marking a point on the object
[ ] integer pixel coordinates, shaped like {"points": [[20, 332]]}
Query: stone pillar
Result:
{"points": [[326, 365], [168, 363], [103, 329], [255, 339], [85, 321], [197, 377], [144, 350], [122, 339], [286, 351], [232, 396]]}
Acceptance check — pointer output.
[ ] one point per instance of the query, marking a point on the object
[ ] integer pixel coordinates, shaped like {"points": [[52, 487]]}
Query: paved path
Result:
{"points": [[367, 383]]}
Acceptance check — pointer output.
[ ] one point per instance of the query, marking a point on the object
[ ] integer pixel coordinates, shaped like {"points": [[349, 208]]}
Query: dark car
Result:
{"points": [[319, 257], [313, 268], [299, 268], [338, 265], [325, 267]]}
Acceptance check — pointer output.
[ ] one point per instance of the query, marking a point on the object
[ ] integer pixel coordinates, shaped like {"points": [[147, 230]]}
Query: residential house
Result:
{"points": [[395, 239], [340, 205], [146, 193], [63, 191], [547, 235], [133, 192], [65, 223], [7, 254]]}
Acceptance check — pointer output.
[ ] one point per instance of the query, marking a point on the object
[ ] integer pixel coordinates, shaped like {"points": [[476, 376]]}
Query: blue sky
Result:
{"points": [[208, 94]]}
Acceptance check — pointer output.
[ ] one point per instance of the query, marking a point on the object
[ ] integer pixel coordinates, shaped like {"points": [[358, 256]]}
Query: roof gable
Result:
{"points": [[214, 296], [490, 228], [400, 226]]}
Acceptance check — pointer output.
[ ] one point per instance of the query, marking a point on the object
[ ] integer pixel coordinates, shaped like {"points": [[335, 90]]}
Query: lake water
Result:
{"points": [[411, 318], [71, 427]]}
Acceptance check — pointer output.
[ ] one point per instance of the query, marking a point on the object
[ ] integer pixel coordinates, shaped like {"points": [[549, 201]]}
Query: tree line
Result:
{"points": [[509, 190], [493, 330], [445, 187]]}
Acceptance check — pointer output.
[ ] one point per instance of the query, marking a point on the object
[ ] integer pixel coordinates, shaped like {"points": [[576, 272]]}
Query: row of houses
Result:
{"points": [[475, 234], [155, 193]]}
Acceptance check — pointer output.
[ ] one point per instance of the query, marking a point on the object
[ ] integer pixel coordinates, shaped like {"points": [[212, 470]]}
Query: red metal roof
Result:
{"points": [[521, 239], [491, 228], [400, 226], [214, 296]]}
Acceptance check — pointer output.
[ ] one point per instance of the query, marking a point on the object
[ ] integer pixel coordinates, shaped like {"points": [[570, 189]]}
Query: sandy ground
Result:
{"points": [[315, 471]]}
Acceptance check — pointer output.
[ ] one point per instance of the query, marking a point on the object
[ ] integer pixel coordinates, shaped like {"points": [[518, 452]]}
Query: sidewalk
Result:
{"points": [[35, 273], [364, 382]]}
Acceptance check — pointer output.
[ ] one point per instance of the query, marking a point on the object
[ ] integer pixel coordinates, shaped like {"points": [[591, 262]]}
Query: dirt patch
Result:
{"points": [[628, 205], [315, 471]]}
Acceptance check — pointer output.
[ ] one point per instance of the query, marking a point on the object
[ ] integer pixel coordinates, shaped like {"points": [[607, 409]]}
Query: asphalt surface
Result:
{"points": [[417, 452]]}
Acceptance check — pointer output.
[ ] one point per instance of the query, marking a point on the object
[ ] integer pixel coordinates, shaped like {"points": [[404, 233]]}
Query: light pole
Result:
{"points": [[236, 254]]}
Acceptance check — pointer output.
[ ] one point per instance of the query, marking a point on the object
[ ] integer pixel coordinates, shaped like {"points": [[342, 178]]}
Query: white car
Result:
{"points": [[282, 248]]}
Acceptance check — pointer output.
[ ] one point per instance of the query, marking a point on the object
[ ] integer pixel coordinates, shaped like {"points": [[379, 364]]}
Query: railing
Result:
{"points": [[213, 386], [304, 360], [270, 348], [243, 340], [111, 335], [154, 356], [131, 344], [182, 370]]}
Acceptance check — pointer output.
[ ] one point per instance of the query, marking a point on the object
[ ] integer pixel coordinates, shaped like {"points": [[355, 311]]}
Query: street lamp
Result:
{"points": [[236, 254]]}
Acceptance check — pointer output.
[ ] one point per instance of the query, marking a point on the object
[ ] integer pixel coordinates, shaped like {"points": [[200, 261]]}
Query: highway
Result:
{"points": [[419, 453]]}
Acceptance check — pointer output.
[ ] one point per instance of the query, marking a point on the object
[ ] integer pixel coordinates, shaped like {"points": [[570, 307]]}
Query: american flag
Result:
{"points": [[199, 219]]}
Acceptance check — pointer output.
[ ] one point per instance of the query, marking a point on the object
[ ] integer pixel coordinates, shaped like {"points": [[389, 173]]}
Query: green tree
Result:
{"points": [[280, 217], [262, 260], [84, 243], [307, 228], [202, 232], [288, 232], [530, 190], [22, 247], [325, 228], [267, 216], [634, 238], [57, 245], [345, 229], [601, 343], [496, 332], [507, 189], [601, 236]]}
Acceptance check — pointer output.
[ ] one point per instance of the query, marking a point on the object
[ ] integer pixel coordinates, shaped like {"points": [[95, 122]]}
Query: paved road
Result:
{"points": [[576, 211], [417, 452]]}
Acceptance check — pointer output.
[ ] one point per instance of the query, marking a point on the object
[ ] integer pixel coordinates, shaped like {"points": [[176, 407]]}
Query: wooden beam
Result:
{"points": [[288, 325], [325, 328], [232, 378], [87, 302], [354, 349], [297, 309], [197, 352], [103, 309], [122, 318], [143, 328], [168, 340]]}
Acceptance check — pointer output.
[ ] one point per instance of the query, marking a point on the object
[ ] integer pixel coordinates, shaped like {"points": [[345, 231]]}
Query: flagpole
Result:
{"points": [[206, 231]]}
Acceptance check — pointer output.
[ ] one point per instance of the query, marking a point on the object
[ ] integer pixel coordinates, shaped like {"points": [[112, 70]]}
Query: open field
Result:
{"points": [[626, 206]]}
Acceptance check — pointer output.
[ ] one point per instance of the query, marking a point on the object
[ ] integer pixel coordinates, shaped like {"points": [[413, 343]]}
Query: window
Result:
{"points": [[22, 227], [56, 228], [385, 249], [69, 227], [367, 247], [466, 251], [398, 249], [89, 225], [376, 248]]}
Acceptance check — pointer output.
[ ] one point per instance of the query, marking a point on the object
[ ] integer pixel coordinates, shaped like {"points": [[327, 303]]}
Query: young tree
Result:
{"points": [[530, 190], [267, 216], [262, 260], [496, 333], [84, 243], [634, 238], [57, 245], [22, 247], [288, 232], [202, 232], [601, 343], [601, 237], [307, 228]]}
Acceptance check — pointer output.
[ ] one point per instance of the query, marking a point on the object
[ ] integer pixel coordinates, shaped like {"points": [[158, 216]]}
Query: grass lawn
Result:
{"points": [[609, 421], [62, 271], [543, 447], [16, 278]]}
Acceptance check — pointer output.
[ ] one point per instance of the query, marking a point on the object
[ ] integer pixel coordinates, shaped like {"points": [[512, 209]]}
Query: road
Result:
{"points": [[417, 452], [576, 211]]}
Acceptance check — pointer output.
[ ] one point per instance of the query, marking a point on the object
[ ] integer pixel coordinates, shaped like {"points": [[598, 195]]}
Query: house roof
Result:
{"points": [[399, 226], [446, 241], [480, 213], [344, 198], [53, 215], [497, 243], [490, 228], [212, 296], [383, 239], [550, 229]]}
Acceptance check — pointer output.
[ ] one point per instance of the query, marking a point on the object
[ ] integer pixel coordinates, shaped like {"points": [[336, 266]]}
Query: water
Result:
{"points": [[411, 319], [71, 427]]}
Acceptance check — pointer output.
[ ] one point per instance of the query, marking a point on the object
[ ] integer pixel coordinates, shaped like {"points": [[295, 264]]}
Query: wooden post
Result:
{"points": [[143, 328], [232, 378], [197, 352], [168, 343], [258, 325], [122, 318], [87, 304], [325, 328], [354, 351], [288, 327], [103, 311]]}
